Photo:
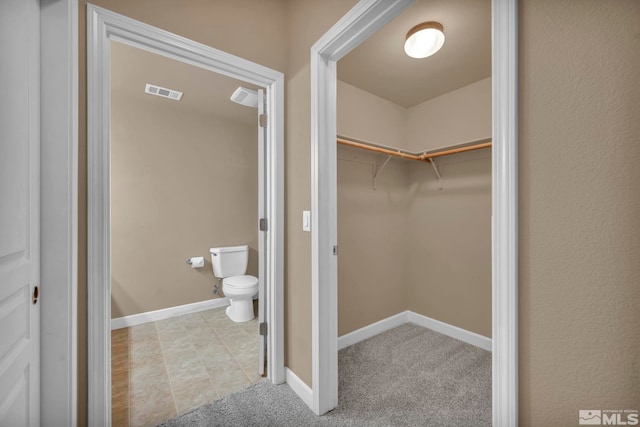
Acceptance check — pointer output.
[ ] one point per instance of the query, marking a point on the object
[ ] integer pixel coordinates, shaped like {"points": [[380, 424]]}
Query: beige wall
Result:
{"points": [[181, 183], [462, 115], [369, 118], [449, 241], [307, 21], [579, 284], [371, 223], [372, 236]]}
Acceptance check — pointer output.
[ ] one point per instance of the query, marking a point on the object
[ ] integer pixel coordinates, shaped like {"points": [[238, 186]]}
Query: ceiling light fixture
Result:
{"points": [[424, 39]]}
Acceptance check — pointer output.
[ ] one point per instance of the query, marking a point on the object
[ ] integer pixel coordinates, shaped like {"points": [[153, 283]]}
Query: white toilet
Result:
{"points": [[230, 264]]}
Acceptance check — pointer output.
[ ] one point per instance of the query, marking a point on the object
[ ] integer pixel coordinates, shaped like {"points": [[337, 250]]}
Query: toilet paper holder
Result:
{"points": [[195, 262]]}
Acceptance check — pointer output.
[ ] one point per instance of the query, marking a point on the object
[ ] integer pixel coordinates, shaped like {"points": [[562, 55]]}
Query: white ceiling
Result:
{"points": [[204, 92], [380, 66]]}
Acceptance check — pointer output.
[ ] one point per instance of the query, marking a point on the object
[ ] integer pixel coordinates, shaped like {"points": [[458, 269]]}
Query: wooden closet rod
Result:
{"points": [[427, 156], [388, 151], [422, 157]]}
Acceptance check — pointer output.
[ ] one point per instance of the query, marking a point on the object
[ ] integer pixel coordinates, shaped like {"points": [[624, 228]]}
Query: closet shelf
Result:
{"points": [[424, 156]]}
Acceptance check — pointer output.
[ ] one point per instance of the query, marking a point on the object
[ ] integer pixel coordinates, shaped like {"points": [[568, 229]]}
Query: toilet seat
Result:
{"points": [[240, 282]]}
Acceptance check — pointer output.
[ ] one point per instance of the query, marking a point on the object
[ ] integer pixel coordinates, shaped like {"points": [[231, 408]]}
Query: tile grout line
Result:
{"points": [[238, 362], [233, 354], [208, 323], [197, 353], [230, 352], [166, 369], [215, 389]]}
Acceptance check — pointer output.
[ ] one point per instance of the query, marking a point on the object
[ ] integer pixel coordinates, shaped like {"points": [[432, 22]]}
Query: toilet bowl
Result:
{"points": [[240, 291], [230, 265]]}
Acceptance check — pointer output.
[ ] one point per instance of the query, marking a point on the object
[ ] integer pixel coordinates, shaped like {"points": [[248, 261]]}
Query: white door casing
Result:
{"points": [[59, 211], [19, 213], [102, 27], [366, 17], [358, 24]]}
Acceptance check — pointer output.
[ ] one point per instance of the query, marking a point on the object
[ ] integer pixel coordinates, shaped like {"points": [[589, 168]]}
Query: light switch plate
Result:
{"points": [[306, 220]]}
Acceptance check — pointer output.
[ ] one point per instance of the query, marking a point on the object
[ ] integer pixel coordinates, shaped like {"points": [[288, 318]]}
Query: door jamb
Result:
{"points": [[358, 24], [59, 212], [102, 27]]}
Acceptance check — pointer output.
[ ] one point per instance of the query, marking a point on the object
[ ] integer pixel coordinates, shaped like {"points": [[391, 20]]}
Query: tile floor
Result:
{"points": [[165, 368]]}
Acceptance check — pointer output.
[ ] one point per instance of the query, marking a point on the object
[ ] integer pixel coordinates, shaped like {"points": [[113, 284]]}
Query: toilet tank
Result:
{"points": [[229, 261]]}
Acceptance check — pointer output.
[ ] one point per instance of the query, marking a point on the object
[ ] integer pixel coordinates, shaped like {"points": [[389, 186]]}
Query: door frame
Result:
{"points": [[102, 27], [358, 24], [59, 212]]}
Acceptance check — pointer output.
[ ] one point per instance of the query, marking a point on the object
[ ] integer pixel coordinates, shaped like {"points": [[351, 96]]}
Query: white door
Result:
{"points": [[264, 227], [19, 212]]}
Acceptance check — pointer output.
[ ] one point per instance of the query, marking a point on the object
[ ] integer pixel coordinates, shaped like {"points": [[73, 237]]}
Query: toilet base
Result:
{"points": [[240, 310]]}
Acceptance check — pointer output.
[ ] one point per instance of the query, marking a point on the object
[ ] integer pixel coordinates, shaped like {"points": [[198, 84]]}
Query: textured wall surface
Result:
{"points": [[579, 208]]}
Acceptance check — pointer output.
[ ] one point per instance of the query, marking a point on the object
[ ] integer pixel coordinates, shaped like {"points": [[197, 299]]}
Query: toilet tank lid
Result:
{"points": [[229, 249]]}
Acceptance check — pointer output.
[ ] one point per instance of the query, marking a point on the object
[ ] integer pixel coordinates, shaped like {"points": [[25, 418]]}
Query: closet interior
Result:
{"points": [[414, 225], [414, 182]]}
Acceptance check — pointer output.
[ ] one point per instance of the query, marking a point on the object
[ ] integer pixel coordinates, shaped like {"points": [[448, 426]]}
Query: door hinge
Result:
{"points": [[263, 328], [262, 120], [335, 250], [264, 225]]}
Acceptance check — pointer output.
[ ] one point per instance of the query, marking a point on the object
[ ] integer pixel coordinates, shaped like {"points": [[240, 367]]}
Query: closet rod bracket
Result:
{"points": [[435, 169], [376, 170]]}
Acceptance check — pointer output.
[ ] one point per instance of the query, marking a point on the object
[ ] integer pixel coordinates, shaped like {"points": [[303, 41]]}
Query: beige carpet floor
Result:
{"points": [[407, 376]]}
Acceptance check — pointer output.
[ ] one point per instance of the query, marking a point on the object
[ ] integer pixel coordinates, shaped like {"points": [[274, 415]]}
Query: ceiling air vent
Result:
{"points": [[162, 91], [244, 96]]}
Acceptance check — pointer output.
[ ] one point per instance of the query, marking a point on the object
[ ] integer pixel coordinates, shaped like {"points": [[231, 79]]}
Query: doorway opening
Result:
{"points": [[184, 178], [360, 23], [105, 28]]}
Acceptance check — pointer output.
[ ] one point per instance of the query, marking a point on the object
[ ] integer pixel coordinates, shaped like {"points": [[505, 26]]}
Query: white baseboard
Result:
{"points": [[418, 319], [450, 330], [372, 330], [152, 316], [299, 387]]}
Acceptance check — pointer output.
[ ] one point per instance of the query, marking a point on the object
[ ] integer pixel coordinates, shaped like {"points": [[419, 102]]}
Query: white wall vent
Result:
{"points": [[244, 96], [162, 91]]}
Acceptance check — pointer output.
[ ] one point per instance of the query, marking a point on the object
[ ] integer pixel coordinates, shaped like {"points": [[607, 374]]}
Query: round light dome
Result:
{"points": [[424, 39]]}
